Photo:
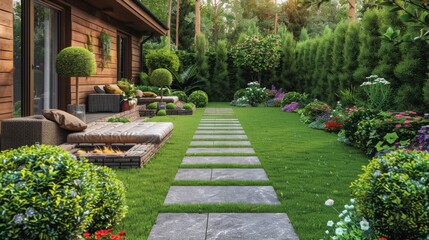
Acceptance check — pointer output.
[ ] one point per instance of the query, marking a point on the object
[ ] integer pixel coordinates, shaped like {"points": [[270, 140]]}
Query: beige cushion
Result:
{"points": [[139, 93], [133, 132], [112, 89], [149, 94], [65, 120]]}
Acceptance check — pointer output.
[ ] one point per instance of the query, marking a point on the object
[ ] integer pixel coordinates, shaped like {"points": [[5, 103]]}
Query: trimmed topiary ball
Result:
{"points": [[199, 98], [181, 95], [45, 193], [171, 106], [161, 112], [75, 62], [161, 77], [188, 106], [393, 194], [153, 105], [110, 207]]}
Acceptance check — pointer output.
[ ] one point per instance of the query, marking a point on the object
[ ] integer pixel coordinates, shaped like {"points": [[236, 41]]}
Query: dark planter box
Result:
{"points": [[147, 112], [179, 112]]}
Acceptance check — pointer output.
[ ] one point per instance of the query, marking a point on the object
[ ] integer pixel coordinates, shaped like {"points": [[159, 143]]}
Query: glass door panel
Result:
{"points": [[46, 21]]}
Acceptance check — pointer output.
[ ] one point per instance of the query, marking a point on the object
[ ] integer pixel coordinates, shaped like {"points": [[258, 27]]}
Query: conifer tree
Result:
{"points": [[351, 52], [288, 56], [201, 60], [219, 85], [337, 61], [328, 42]]}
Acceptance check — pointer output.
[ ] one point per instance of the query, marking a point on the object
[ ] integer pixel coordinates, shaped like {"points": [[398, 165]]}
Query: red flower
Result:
{"points": [[87, 235], [122, 233], [383, 238]]}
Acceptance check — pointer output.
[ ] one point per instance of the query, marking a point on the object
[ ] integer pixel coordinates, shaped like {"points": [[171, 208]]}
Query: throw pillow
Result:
{"points": [[112, 89], [99, 89], [139, 93], [65, 120], [149, 94]]}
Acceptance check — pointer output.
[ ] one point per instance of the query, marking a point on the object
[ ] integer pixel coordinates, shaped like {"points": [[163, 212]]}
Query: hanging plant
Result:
{"points": [[89, 42], [106, 47]]}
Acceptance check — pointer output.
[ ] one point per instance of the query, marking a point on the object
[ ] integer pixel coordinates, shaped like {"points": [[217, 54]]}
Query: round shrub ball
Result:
{"points": [[45, 191], [109, 207], [181, 95], [161, 77], [171, 106], [75, 62], [188, 106], [239, 93], [393, 194], [153, 105], [291, 97], [161, 112], [199, 98]]}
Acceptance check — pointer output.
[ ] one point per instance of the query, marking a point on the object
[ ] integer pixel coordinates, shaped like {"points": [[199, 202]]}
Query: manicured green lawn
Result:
{"points": [[304, 165]]}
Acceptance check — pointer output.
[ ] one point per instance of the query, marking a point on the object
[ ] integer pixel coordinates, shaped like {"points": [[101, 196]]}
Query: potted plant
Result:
{"points": [[76, 62], [129, 100], [161, 77]]}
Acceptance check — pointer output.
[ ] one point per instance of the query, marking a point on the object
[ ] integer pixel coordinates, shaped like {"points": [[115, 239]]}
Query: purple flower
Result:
{"points": [[290, 107]]}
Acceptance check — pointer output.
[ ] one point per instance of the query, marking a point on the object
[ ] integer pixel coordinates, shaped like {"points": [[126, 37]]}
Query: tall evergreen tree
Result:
{"points": [[201, 47], [288, 56], [337, 61], [327, 45], [351, 52], [219, 85]]}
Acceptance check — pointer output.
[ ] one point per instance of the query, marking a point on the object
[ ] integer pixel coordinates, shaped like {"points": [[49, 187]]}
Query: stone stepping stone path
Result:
{"points": [[220, 133]]}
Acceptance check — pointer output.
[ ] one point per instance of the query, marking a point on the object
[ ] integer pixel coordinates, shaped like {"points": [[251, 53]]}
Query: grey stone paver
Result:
{"points": [[219, 120], [219, 132], [219, 128], [252, 160], [221, 174], [250, 226], [221, 194], [180, 226], [194, 174], [239, 174], [220, 143], [220, 136], [219, 125], [220, 150]]}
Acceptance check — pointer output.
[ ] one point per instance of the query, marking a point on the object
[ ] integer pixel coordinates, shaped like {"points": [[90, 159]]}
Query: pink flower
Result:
{"points": [[398, 116], [398, 125], [389, 120]]}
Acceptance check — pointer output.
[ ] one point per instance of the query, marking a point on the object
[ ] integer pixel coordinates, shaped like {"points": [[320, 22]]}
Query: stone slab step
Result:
{"points": [[225, 226], [219, 128], [221, 194], [252, 160], [219, 125], [221, 174], [219, 120], [219, 132], [220, 143], [220, 150], [219, 136]]}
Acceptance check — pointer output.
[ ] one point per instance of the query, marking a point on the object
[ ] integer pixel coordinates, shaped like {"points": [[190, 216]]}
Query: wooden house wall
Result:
{"points": [[6, 59]]}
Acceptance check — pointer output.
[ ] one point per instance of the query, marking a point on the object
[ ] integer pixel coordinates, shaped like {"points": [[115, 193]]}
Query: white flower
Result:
{"points": [[347, 219], [334, 238], [29, 212], [18, 218], [352, 200], [73, 193], [327, 231], [372, 76], [77, 182], [340, 223], [339, 231], [344, 212], [329, 202], [364, 225], [330, 223]]}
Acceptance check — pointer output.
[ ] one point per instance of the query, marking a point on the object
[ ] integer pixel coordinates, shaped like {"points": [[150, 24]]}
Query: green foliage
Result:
{"points": [[199, 98], [300, 98], [354, 117], [171, 106], [144, 78], [153, 105], [337, 61], [127, 87], [106, 49], [255, 95], [303, 35], [119, 119], [288, 70], [378, 93], [181, 95], [161, 112], [239, 93], [201, 60], [314, 109], [149, 89], [187, 81], [162, 58], [392, 191], [161, 77], [75, 62], [46, 193], [110, 207], [188, 106], [219, 85], [351, 53]]}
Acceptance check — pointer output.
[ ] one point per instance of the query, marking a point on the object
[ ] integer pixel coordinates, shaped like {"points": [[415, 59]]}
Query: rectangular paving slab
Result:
{"points": [[219, 125], [220, 143], [221, 174], [219, 128], [220, 150], [219, 132], [219, 120], [220, 137], [180, 226], [250, 226], [221, 194], [253, 160]]}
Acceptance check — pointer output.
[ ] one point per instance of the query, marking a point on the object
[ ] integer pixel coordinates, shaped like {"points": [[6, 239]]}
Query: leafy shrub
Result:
{"points": [[171, 106], [188, 106], [162, 58], [153, 105], [319, 122], [161, 112], [241, 102], [144, 78], [109, 207], [255, 95], [239, 93], [290, 97], [392, 194], [314, 109], [46, 193], [118, 119], [75, 62], [377, 92], [199, 98], [334, 125], [181, 95], [354, 116]]}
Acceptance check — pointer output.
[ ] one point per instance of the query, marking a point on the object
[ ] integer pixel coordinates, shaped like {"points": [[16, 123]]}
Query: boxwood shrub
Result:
{"points": [[188, 106], [300, 98], [393, 194], [161, 112], [46, 193], [171, 106], [199, 98], [181, 95], [313, 110], [153, 105]]}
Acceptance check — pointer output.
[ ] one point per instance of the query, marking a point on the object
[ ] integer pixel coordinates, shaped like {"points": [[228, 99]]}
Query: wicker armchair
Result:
{"points": [[17, 132], [103, 102]]}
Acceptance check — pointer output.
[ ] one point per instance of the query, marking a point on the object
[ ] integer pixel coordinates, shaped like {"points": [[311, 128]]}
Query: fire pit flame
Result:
{"points": [[100, 150]]}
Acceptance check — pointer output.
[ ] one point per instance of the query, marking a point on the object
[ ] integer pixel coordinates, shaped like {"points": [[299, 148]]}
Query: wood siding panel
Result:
{"points": [[6, 59]]}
